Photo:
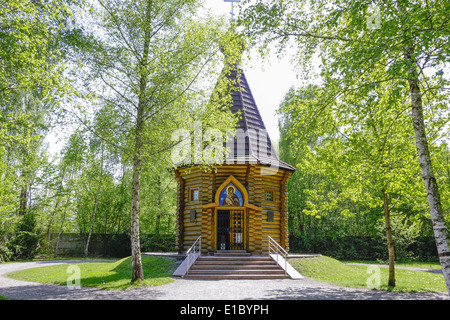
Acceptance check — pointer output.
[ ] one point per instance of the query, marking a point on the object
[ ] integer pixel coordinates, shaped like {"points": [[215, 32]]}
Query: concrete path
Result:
{"points": [[180, 289]]}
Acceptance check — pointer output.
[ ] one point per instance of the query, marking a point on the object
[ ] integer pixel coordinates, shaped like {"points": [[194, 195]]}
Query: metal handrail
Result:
{"points": [[196, 247], [278, 249]]}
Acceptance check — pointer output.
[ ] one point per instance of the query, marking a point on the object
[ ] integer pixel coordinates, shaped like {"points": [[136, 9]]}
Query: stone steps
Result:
{"points": [[235, 265]]}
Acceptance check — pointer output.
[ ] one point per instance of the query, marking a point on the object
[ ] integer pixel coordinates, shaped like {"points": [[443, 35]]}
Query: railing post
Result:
{"points": [[285, 264], [277, 251], [187, 266], [193, 249], [269, 245]]}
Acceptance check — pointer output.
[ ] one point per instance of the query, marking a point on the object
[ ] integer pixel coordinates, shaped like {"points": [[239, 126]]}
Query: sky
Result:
{"points": [[269, 80]]}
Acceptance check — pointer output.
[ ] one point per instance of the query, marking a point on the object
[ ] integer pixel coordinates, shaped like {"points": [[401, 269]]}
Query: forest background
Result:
{"points": [[351, 162]]}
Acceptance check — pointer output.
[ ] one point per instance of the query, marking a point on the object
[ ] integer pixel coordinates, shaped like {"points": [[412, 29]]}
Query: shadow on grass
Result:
{"points": [[157, 271], [102, 275]]}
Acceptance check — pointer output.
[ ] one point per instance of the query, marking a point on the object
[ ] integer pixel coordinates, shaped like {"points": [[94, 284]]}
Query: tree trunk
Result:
{"points": [[158, 212], [137, 272], [434, 199], [390, 242], [61, 227], [86, 249], [136, 264], [23, 206], [50, 222]]}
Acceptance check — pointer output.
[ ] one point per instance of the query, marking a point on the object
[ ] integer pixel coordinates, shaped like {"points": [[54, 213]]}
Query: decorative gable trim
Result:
{"points": [[239, 186]]}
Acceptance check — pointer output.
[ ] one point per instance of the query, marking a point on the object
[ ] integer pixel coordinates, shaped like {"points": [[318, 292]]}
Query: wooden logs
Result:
{"points": [[265, 209]]}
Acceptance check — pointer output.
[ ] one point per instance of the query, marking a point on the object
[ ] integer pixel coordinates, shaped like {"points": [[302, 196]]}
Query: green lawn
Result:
{"points": [[413, 264], [333, 271], [157, 271], [104, 275]]}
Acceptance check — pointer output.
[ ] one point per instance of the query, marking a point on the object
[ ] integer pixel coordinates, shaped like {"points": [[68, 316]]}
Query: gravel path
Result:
{"points": [[180, 289]]}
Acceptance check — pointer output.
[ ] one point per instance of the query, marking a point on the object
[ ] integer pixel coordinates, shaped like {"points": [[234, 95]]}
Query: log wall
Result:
{"points": [[256, 180]]}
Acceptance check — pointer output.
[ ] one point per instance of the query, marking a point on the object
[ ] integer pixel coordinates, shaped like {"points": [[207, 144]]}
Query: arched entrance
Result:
{"points": [[230, 229], [230, 216], [229, 222]]}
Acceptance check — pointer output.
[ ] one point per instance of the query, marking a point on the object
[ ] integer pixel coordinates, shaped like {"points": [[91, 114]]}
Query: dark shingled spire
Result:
{"points": [[252, 143]]}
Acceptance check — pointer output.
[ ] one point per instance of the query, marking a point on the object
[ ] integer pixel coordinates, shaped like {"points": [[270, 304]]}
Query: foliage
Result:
{"points": [[370, 74], [158, 243], [335, 207], [364, 247], [5, 253], [31, 84], [117, 78], [29, 31], [347, 158], [24, 244], [149, 62]]}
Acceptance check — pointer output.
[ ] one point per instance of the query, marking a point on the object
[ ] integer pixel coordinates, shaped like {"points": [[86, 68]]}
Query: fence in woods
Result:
{"points": [[108, 245], [357, 248]]}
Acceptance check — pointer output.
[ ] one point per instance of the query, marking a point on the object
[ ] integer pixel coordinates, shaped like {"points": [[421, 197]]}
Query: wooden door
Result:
{"points": [[237, 230], [223, 229], [230, 229]]}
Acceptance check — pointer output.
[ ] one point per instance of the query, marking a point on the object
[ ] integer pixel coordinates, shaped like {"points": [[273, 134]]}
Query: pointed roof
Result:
{"points": [[252, 143]]}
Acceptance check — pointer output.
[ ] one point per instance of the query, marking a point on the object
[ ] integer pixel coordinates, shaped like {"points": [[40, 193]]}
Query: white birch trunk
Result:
{"points": [[136, 262], [434, 200], [61, 227], [86, 249]]}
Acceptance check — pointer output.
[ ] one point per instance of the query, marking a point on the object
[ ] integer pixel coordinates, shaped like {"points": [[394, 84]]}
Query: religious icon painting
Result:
{"points": [[230, 196]]}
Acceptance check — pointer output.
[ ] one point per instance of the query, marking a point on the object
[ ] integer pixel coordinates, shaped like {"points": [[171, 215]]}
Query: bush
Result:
{"points": [[5, 253], [363, 248], [25, 243], [425, 248], [158, 242], [118, 245]]}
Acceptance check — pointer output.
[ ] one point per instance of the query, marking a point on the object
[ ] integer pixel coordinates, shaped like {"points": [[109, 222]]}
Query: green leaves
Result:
{"points": [[352, 149], [28, 31], [363, 99]]}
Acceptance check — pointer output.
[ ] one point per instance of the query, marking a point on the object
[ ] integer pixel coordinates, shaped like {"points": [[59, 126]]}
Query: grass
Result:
{"points": [[333, 271], [412, 264], [103, 275], [158, 270]]}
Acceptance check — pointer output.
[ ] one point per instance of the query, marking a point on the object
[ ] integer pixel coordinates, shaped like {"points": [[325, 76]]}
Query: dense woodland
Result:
{"points": [[337, 195], [111, 80]]}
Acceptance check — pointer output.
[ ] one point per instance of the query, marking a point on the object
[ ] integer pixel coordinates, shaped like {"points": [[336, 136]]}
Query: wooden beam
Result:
{"points": [[180, 214]]}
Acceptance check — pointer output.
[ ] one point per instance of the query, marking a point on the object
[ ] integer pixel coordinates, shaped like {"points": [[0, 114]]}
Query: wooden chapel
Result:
{"points": [[245, 200]]}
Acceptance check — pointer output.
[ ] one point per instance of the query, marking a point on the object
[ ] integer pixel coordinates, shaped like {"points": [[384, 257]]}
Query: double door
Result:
{"points": [[230, 230]]}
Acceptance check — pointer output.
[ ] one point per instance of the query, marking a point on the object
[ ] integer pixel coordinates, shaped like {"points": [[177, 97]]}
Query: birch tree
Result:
{"points": [[351, 38], [154, 65], [363, 145], [97, 195], [28, 33], [72, 158]]}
